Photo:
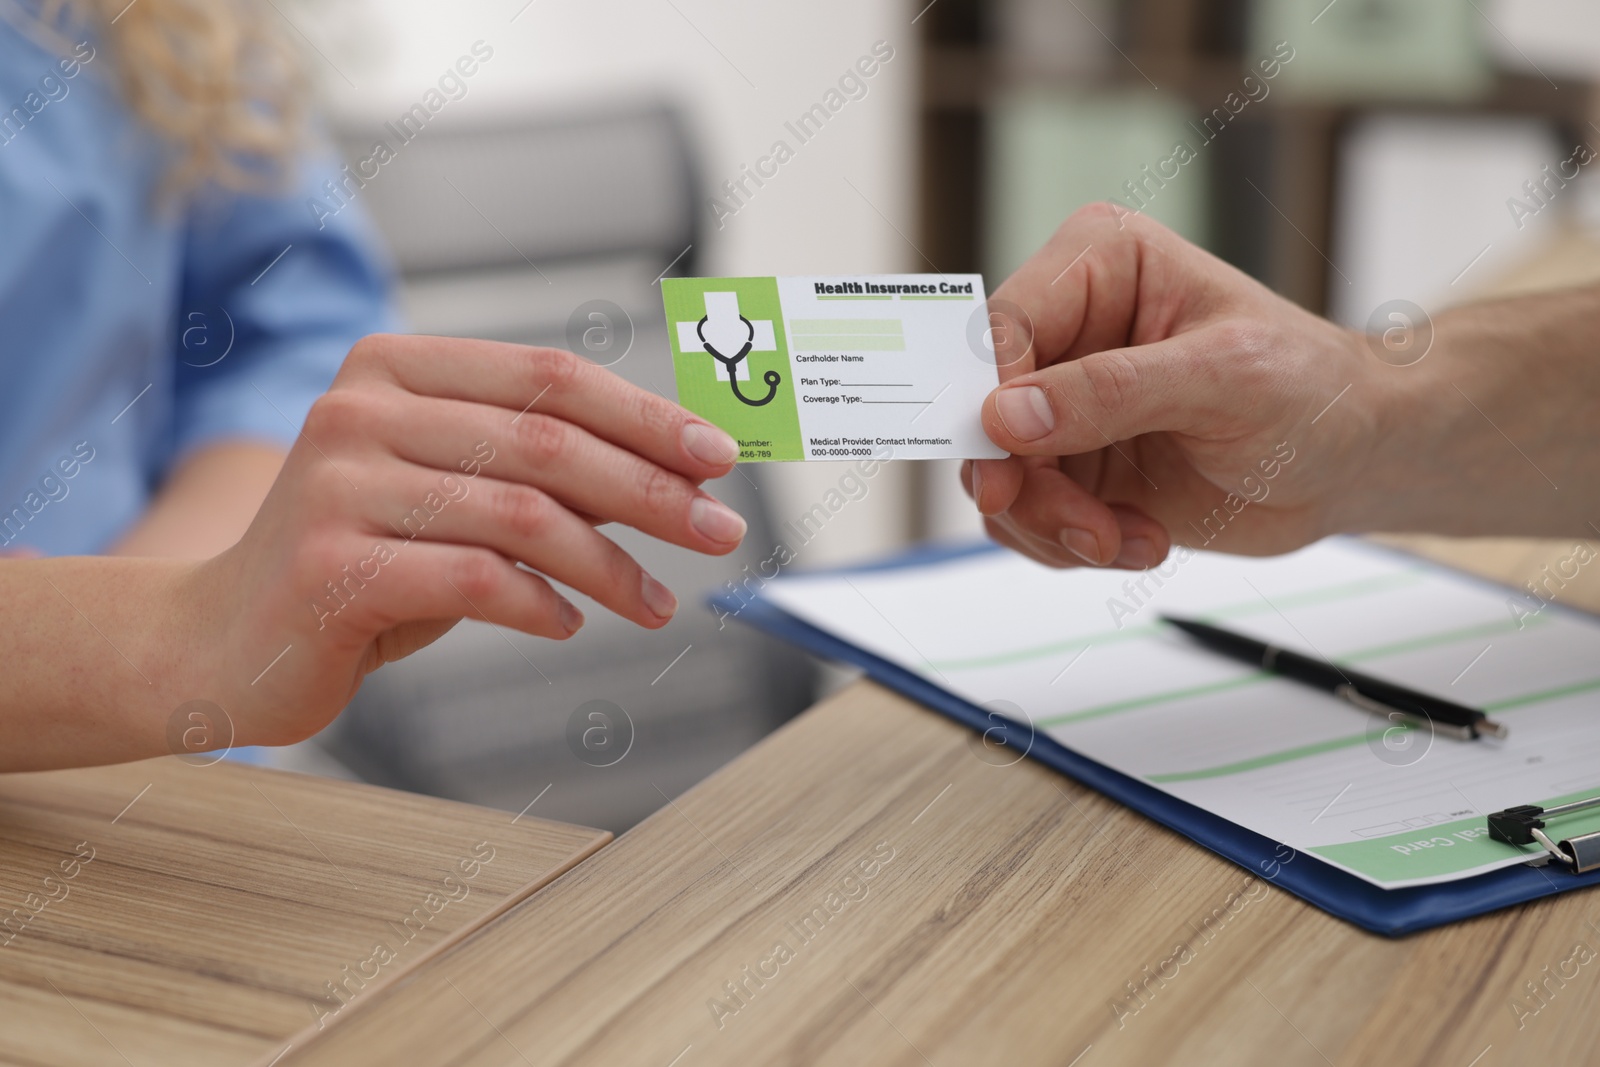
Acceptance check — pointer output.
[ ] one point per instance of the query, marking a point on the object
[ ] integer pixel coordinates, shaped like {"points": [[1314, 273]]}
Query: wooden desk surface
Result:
{"points": [[1012, 917], [196, 915]]}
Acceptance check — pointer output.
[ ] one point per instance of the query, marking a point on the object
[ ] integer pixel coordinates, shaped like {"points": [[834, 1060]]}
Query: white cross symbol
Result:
{"points": [[727, 334]]}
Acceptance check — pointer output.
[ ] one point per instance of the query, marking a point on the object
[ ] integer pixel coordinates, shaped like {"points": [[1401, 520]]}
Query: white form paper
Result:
{"points": [[1083, 656]]}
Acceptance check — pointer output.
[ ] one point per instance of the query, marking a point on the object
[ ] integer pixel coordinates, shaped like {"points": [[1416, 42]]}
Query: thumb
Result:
{"points": [[1192, 383]]}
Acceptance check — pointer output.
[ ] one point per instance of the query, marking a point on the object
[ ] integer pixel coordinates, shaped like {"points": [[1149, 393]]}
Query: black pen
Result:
{"points": [[1361, 690]]}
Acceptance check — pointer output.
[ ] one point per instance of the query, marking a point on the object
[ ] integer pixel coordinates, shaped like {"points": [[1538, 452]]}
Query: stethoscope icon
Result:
{"points": [[771, 377]]}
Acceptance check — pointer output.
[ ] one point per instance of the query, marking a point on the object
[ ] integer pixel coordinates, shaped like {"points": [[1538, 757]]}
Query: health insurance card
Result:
{"points": [[836, 367]]}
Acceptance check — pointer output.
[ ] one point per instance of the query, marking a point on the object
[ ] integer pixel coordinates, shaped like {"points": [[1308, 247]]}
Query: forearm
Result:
{"points": [[206, 504], [1494, 431], [102, 654], [99, 654]]}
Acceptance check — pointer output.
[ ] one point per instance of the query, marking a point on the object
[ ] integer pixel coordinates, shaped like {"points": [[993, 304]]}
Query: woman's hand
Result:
{"points": [[429, 471], [1151, 395]]}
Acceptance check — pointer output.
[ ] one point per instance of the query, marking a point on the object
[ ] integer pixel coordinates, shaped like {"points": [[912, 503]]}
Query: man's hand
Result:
{"points": [[1151, 395]]}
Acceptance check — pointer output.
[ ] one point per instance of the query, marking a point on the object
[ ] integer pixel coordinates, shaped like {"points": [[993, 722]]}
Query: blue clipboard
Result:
{"points": [[1392, 912]]}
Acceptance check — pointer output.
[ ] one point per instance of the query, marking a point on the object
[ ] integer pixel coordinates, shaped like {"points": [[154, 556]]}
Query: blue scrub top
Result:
{"points": [[132, 333]]}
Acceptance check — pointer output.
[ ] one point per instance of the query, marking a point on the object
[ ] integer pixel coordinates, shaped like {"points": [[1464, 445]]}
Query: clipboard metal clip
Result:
{"points": [[1525, 825]]}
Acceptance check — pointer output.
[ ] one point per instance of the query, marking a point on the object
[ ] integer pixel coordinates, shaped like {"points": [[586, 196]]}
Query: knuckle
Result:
{"points": [[525, 512], [1095, 213], [1241, 338], [661, 491], [1098, 217], [1251, 354], [1108, 220], [336, 413], [477, 575], [1111, 379], [658, 418], [555, 369], [372, 352], [365, 350], [543, 440]]}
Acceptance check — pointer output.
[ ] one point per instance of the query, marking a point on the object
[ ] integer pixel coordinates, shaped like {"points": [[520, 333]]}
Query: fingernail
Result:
{"points": [[977, 487], [715, 520], [658, 598], [1083, 544], [1025, 411], [708, 444], [1137, 552], [571, 618]]}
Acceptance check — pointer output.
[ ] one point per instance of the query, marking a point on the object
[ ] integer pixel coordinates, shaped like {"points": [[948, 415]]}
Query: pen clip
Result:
{"points": [[1351, 695]]}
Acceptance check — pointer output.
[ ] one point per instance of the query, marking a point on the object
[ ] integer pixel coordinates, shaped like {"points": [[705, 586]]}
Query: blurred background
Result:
{"points": [[1347, 153]]}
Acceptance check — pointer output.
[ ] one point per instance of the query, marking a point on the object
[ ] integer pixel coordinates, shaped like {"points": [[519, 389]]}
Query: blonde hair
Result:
{"points": [[217, 80]]}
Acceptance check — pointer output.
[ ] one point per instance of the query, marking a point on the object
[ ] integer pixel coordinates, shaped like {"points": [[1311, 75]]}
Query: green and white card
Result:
{"points": [[836, 367]]}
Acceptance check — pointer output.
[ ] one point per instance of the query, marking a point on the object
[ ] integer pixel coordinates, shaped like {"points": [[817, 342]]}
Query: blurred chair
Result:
{"points": [[511, 232]]}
